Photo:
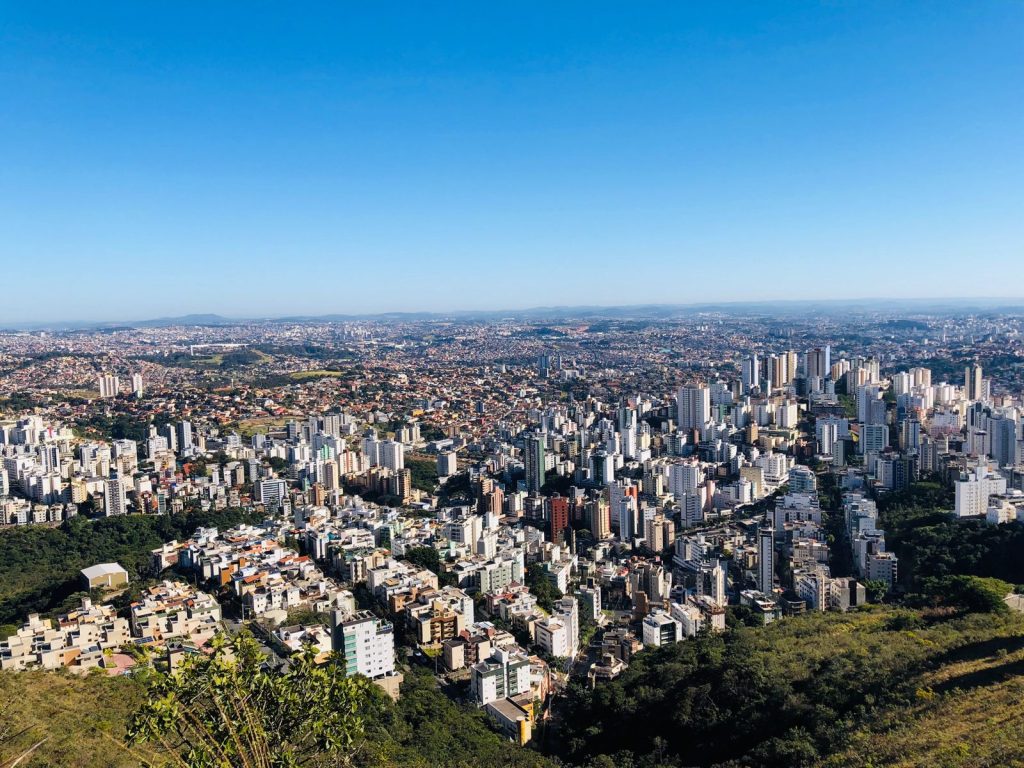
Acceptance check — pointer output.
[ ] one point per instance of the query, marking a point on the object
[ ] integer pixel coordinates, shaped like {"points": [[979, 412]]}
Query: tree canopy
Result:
{"points": [[228, 709], [39, 565]]}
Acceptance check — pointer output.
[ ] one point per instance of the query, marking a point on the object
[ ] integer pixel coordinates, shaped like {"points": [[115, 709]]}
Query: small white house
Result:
{"points": [[104, 575]]}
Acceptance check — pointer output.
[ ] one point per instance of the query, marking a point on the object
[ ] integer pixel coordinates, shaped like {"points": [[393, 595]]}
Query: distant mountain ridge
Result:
{"points": [[197, 319], [782, 307]]}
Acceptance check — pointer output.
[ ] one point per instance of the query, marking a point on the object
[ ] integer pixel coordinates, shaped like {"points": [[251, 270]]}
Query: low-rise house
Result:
{"points": [[466, 649], [104, 576], [175, 610], [765, 607], [76, 640], [514, 720], [296, 638], [660, 628], [439, 615], [608, 668]]}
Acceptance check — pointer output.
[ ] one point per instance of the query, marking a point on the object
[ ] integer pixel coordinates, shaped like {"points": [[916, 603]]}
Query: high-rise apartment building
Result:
{"points": [[683, 478], [392, 455], [694, 407], [365, 642], [751, 373], [115, 496], [973, 387], [534, 462], [185, 437], [109, 385], [973, 492], [447, 464], [766, 560], [558, 522], [599, 518], [271, 492], [818, 363]]}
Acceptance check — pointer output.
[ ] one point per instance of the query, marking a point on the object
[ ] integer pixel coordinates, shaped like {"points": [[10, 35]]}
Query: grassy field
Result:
{"points": [[86, 394], [320, 373], [80, 720], [249, 427], [217, 359], [969, 714]]}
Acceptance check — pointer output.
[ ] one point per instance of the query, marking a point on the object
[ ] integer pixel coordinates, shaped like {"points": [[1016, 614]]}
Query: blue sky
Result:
{"points": [[253, 160]]}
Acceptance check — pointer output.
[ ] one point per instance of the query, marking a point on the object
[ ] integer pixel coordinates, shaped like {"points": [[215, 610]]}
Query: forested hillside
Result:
{"points": [[884, 687], [39, 565], [932, 543], [796, 692]]}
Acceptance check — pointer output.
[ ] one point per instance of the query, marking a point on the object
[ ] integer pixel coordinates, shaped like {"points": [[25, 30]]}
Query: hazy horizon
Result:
{"points": [[911, 305]]}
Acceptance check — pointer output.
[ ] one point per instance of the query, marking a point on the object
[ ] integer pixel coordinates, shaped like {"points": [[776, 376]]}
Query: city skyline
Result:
{"points": [[469, 520], [175, 163]]}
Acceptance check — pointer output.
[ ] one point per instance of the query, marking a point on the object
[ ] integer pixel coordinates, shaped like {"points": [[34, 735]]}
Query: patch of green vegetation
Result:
{"points": [[931, 543], [849, 404], [39, 565], [309, 351], [119, 424], [228, 360], [229, 709], [457, 490], [969, 712], [429, 558], [306, 617], [965, 593], [19, 401], [423, 471], [541, 587], [789, 694], [426, 728], [320, 373], [80, 720]]}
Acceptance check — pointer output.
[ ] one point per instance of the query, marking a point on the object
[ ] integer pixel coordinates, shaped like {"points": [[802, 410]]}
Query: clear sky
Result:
{"points": [[258, 159]]}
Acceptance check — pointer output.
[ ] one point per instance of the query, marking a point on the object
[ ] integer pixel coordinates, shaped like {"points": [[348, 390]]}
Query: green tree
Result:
{"points": [[423, 472], [969, 593], [225, 709], [588, 622], [876, 589], [541, 587], [430, 558]]}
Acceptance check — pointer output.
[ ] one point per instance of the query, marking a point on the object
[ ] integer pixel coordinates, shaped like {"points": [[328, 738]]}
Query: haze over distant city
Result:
{"points": [[166, 160]]}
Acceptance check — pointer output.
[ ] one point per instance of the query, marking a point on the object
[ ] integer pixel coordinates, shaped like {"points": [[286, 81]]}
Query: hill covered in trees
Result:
{"points": [[797, 692]]}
